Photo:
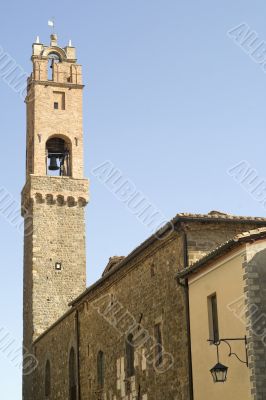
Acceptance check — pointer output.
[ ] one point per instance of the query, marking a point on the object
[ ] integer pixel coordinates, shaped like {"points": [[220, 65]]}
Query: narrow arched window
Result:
{"points": [[53, 58], [72, 375], [58, 157], [47, 379], [130, 370], [100, 369]]}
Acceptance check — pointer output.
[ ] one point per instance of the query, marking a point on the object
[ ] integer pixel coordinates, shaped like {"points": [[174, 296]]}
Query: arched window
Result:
{"points": [[72, 375], [58, 157], [130, 370], [47, 379], [100, 369], [53, 58]]}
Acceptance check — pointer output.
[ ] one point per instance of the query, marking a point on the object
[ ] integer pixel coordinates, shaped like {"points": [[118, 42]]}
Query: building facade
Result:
{"points": [[128, 335], [227, 306]]}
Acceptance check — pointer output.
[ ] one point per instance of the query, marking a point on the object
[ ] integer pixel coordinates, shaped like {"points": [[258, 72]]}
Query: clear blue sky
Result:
{"points": [[169, 99]]}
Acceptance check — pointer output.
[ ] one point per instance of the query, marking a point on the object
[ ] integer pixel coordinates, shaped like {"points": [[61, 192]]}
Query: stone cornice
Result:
{"points": [[57, 84], [60, 191]]}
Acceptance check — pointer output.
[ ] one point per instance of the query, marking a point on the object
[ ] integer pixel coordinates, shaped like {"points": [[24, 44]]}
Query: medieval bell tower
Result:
{"points": [[55, 193]]}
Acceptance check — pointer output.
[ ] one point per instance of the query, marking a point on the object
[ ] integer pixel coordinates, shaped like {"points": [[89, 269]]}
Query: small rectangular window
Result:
{"points": [[158, 344], [213, 318], [58, 266], [59, 100]]}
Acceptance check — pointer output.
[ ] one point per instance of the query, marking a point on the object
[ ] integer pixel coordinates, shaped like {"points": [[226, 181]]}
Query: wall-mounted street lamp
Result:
{"points": [[219, 371]]}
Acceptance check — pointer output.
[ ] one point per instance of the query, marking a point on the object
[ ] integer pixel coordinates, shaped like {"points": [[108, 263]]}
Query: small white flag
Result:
{"points": [[50, 23]]}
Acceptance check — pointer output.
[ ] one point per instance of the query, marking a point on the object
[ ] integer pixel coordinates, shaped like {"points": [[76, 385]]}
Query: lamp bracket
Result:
{"points": [[227, 341]]}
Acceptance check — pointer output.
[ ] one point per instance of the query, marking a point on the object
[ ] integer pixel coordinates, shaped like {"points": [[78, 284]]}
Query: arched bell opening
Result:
{"points": [[58, 157], [53, 58]]}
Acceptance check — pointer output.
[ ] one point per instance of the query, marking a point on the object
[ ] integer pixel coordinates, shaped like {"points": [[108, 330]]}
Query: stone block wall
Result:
{"points": [[143, 292], [58, 236], [203, 237], [255, 307], [143, 296]]}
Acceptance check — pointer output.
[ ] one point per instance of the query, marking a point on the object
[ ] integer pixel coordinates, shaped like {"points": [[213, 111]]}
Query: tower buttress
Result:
{"points": [[55, 193]]}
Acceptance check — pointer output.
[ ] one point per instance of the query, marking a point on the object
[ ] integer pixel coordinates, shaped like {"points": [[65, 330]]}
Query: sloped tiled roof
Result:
{"points": [[218, 215]]}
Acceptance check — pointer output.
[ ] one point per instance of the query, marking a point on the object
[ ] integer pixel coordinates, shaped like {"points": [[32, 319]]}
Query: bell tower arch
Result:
{"points": [[55, 193], [59, 156]]}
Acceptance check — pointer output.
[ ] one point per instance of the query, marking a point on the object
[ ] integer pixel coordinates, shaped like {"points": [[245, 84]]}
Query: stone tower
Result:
{"points": [[55, 192]]}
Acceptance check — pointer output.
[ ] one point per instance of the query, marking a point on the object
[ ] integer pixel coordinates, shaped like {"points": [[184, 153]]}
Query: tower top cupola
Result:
{"points": [[40, 51]]}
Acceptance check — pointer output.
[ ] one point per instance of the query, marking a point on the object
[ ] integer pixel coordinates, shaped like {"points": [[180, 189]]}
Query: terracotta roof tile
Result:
{"points": [[218, 215]]}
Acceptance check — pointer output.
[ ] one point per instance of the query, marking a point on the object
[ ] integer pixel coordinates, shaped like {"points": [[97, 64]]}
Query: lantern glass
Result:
{"points": [[219, 373]]}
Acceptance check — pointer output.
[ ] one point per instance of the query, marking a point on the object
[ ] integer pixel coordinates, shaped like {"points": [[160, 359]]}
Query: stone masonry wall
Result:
{"points": [[55, 347], [203, 237], [255, 306], [143, 289], [58, 237]]}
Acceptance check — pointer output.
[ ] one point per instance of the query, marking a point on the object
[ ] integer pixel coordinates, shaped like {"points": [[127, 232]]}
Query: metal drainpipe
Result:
{"points": [[77, 344], [186, 290]]}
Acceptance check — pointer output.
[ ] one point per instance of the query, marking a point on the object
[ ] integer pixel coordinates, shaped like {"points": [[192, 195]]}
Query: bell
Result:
{"points": [[53, 164]]}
